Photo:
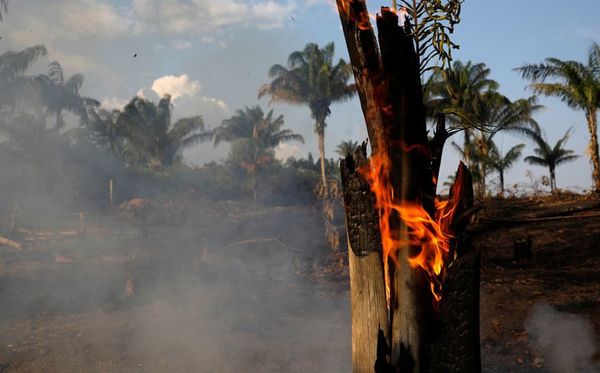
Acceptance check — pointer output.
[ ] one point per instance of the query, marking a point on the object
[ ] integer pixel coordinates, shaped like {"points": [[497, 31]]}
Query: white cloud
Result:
{"points": [[111, 103], [284, 151], [212, 40], [201, 16], [331, 3], [219, 103], [52, 23], [176, 86], [182, 44], [271, 14], [92, 17], [72, 62], [69, 20]]}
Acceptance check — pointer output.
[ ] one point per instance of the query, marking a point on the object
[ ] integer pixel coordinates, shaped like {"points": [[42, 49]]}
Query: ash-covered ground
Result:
{"points": [[194, 285], [213, 287]]}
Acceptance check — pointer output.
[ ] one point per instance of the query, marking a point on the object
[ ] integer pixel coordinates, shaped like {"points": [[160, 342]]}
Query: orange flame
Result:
{"points": [[431, 234]]}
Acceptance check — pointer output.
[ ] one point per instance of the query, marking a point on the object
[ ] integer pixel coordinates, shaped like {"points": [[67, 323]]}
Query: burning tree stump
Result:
{"points": [[414, 277]]}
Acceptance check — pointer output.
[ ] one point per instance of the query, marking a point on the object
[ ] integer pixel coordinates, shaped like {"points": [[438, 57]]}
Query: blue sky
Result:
{"points": [[225, 48]]}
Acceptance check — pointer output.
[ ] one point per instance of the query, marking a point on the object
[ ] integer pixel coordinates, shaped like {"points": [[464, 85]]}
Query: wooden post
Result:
{"points": [[111, 192], [81, 223], [388, 81]]}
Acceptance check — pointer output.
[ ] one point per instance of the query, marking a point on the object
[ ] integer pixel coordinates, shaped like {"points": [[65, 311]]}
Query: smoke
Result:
{"points": [[566, 342], [215, 287]]}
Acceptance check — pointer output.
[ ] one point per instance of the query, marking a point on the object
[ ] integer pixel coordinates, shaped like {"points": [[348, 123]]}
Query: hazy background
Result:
{"points": [[213, 55]]}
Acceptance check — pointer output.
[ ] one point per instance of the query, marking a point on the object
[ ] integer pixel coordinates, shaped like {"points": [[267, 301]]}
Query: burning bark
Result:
{"points": [[414, 280]]}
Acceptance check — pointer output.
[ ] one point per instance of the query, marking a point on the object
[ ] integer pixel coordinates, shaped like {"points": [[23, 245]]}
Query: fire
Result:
{"points": [[431, 234], [365, 18]]}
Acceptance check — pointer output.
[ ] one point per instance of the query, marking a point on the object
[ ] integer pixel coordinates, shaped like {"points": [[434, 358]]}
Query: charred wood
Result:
{"points": [[403, 332]]}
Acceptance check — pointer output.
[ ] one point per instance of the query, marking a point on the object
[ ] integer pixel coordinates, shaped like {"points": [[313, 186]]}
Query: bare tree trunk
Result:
{"points": [[483, 182], [593, 149], [253, 180], [321, 138], [467, 147]]}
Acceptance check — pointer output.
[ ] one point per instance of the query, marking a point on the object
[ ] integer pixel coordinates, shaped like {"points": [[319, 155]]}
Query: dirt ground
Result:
{"points": [[563, 272], [230, 287]]}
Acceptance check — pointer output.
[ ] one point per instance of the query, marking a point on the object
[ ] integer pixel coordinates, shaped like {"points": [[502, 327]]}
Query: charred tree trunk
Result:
{"points": [[405, 332], [367, 295]]}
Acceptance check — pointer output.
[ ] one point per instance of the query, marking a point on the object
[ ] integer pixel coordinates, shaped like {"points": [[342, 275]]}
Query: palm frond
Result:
{"points": [[55, 73], [594, 60], [564, 159], [346, 148], [559, 144], [74, 83], [288, 136], [537, 72], [512, 156], [194, 139], [14, 64], [186, 126], [536, 161]]}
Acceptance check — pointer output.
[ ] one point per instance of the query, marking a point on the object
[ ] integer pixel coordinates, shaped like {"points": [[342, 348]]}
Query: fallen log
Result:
{"points": [[10, 243]]}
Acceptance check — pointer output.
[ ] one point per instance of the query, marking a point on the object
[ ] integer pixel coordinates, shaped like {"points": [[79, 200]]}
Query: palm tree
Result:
{"points": [[254, 137], [456, 91], [63, 94], [151, 139], [494, 113], [13, 66], [551, 156], [470, 99], [312, 79], [478, 169], [577, 85], [106, 131], [346, 147], [27, 135], [501, 163]]}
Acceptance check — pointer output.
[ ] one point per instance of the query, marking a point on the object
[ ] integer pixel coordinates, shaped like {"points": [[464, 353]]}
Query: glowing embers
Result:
{"points": [[430, 235]]}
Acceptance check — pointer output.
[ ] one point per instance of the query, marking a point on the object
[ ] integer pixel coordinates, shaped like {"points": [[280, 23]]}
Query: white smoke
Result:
{"points": [[566, 341]]}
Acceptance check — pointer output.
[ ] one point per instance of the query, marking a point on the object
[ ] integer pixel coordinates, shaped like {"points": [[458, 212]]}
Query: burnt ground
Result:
{"points": [[231, 287], [563, 272]]}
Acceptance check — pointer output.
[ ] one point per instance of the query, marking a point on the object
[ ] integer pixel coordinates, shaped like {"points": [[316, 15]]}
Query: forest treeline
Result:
{"points": [[139, 148]]}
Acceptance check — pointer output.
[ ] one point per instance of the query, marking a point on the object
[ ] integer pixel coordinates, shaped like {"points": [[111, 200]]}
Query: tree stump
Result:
{"points": [[522, 249], [399, 322]]}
